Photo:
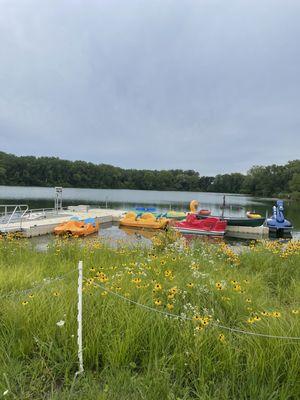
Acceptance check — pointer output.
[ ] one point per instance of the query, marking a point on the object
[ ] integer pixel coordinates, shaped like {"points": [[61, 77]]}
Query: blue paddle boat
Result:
{"points": [[277, 224]]}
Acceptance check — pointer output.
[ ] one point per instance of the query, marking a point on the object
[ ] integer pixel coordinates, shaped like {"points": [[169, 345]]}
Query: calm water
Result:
{"points": [[237, 205]]}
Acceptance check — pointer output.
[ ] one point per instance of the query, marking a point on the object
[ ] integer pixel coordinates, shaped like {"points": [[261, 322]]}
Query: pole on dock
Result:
{"points": [[79, 319]]}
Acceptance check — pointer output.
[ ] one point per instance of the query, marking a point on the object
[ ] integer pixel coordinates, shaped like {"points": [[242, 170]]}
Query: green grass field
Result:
{"points": [[132, 352]]}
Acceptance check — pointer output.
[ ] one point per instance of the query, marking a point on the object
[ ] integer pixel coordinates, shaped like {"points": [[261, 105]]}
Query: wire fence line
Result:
{"points": [[144, 306], [178, 316], [47, 281]]}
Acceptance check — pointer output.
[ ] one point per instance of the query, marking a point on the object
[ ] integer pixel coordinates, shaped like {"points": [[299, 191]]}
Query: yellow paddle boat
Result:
{"points": [[253, 215], [146, 220]]}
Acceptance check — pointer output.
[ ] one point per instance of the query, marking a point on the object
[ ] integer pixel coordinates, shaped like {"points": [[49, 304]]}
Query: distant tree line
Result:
{"points": [[51, 171]]}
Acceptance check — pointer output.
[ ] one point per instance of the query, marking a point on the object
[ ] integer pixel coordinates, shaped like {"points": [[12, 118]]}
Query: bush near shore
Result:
{"points": [[133, 352]]}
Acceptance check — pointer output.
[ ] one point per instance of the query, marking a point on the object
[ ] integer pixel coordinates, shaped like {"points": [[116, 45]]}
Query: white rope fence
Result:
{"points": [[47, 281], [176, 316]]}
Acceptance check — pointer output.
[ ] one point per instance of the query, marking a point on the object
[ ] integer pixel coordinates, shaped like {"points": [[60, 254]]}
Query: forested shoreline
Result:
{"points": [[271, 180]]}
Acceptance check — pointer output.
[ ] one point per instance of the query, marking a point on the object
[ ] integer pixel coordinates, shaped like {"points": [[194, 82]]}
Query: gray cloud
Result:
{"points": [[206, 85]]}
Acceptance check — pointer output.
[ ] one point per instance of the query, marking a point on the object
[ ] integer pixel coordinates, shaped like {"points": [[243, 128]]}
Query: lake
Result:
{"points": [[236, 205]]}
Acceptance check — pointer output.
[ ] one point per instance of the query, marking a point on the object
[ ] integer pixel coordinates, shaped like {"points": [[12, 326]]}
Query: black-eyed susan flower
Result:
{"points": [[222, 338], [158, 302], [31, 296], [248, 300], [219, 285], [158, 286], [56, 294], [190, 285], [295, 311], [24, 303], [104, 293], [170, 306], [276, 314]]}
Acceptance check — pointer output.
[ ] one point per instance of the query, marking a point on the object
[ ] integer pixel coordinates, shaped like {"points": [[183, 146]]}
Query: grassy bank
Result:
{"points": [[132, 352]]}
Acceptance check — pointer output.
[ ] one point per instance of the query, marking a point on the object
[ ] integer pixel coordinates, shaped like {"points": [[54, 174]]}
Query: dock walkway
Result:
{"points": [[45, 225]]}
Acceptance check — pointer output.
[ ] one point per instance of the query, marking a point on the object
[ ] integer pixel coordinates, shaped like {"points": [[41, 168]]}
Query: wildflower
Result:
{"points": [[136, 280], [248, 300], [174, 290], [60, 323], [171, 296], [24, 303], [276, 314], [158, 302], [104, 293], [295, 311], [196, 318], [237, 288], [190, 285], [56, 294], [31, 296], [170, 306], [163, 262], [264, 313], [225, 298], [158, 286], [256, 318], [219, 286], [93, 269], [199, 328], [168, 272], [250, 320], [222, 338]]}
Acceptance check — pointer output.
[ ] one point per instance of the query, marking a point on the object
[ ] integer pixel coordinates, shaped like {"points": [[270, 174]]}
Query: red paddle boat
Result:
{"points": [[209, 226]]}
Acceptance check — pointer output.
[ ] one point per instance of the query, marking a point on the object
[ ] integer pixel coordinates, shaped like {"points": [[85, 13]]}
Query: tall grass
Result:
{"points": [[134, 353]]}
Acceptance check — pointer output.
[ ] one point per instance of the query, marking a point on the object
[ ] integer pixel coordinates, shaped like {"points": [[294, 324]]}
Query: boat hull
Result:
{"points": [[232, 221], [190, 231]]}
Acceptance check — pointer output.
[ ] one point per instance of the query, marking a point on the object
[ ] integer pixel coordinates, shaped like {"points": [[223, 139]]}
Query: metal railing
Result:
{"points": [[13, 215], [11, 212]]}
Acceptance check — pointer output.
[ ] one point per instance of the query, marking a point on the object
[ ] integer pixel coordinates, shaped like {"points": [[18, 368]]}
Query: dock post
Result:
{"points": [[79, 319]]}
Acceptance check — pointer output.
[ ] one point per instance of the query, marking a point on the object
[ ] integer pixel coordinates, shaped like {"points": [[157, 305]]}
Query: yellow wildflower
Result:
{"points": [[276, 314], [222, 338]]}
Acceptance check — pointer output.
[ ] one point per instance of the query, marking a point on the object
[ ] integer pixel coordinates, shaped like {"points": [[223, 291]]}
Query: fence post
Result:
{"points": [[79, 320]]}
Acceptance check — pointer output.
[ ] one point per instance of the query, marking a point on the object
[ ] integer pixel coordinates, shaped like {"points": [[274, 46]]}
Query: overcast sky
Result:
{"points": [[201, 84]]}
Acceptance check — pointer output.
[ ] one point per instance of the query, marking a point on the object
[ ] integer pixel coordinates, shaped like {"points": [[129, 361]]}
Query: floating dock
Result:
{"points": [[247, 232], [46, 224]]}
